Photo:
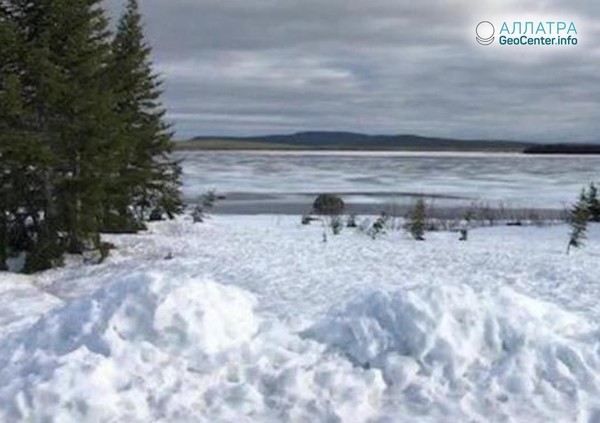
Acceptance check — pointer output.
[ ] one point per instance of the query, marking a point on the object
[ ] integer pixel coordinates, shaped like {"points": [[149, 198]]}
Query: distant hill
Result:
{"points": [[348, 141]]}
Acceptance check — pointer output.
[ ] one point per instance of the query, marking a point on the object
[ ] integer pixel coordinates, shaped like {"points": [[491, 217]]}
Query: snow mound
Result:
{"points": [[196, 316], [151, 348], [92, 341], [452, 351]]}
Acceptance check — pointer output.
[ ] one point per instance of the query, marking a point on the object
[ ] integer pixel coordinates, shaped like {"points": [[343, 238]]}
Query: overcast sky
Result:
{"points": [[245, 67]]}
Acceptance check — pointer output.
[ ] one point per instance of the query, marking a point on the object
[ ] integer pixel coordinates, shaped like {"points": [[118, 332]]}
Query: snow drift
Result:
{"points": [[147, 348], [483, 356], [150, 347]]}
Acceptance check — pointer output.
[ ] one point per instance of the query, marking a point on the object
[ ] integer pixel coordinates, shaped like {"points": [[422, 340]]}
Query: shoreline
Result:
{"points": [[444, 212]]}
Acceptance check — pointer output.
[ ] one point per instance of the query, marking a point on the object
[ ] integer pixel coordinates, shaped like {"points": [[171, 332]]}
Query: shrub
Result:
{"points": [[209, 198], [198, 214], [328, 204], [379, 226], [488, 213], [364, 225], [469, 215], [205, 203], [351, 221], [336, 225]]}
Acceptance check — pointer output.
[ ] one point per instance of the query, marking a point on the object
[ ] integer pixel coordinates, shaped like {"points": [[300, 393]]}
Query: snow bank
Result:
{"points": [[85, 353], [150, 348], [166, 346], [451, 351]]}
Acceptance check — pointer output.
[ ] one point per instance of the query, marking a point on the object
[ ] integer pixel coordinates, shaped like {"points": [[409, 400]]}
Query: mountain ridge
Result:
{"points": [[344, 140]]}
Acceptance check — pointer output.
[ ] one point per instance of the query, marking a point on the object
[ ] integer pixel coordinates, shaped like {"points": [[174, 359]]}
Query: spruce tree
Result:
{"points": [[85, 138], [10, 109], [62, 146], [24, 157], [593, 203], [27, 198], [7, 108], [82, 136], [148, 180], [417, 220], [579, 215]]}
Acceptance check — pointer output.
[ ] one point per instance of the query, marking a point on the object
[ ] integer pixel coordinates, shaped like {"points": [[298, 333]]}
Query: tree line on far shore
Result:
{"points": [[84, 146]]}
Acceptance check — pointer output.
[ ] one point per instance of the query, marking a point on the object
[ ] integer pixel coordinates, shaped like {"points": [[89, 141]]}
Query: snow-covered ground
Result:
{"points": [[257, 319]]}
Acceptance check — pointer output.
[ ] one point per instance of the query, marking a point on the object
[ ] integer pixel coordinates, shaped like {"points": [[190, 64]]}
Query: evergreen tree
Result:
{"points": [[9, 108], [593, 203], [28, 201], [579, 215], [85, 139], [417, 221], [59, 146], [10, 111], [148, 179], [25, 159], [82, 137]]}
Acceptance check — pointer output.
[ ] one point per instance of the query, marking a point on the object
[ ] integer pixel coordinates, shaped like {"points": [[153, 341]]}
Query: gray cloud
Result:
{"points": [[240, 67]]}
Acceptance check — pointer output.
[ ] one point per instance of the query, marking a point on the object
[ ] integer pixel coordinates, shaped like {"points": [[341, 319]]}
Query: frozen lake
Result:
{"points": [[254, 181]]}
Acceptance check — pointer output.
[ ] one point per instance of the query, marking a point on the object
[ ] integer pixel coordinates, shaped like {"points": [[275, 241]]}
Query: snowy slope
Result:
{"points": [[257, 319]]}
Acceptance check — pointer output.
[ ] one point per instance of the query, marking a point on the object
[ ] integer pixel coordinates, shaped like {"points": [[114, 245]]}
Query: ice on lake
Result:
{"points": [[514, 180]]}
